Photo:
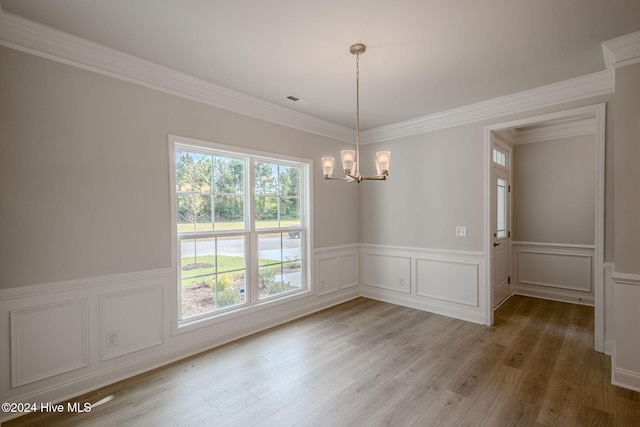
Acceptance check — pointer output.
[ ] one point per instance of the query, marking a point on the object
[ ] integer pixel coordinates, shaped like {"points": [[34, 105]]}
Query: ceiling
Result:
{"points": [[423, 56]]}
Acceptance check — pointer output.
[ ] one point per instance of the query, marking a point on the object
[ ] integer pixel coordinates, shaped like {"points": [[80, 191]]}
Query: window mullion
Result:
{"points": [[212, 191], [252, 247]]}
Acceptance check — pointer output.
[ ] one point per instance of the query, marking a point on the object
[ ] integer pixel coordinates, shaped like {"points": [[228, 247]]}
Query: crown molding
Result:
{"points": [[621, 51], [37, 39], [555, 131], [590, 85]]}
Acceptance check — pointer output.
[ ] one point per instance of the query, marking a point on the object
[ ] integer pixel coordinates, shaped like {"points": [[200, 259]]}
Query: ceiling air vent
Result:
{"points": [[297, 100]]}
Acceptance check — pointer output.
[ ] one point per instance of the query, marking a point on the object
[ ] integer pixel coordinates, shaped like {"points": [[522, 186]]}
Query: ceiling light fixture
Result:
{"points": [[351, 158]]}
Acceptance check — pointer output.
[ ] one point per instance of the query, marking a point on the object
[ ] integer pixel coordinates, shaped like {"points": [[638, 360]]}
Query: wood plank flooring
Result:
{"points": [[369, 363]]}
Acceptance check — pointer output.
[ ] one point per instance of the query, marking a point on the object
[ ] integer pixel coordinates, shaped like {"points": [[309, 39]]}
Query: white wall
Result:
{"points": [[626, 360], [435, 183], [85, 246], [553, 191], [84, 171]]}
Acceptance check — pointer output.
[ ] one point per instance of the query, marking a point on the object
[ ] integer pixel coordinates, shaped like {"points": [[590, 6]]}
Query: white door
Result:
{"points": [[500, 219]]}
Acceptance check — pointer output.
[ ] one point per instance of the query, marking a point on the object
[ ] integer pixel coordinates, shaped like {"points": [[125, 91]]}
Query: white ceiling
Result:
{"points": [[423, 56]]}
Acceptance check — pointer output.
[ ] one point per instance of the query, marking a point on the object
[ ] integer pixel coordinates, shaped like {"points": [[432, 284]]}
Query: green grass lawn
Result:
{"points": [[206, 266]]}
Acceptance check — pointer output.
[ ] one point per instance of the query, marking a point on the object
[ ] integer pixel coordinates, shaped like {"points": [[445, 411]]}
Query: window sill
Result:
{"points": [[188, 325]]}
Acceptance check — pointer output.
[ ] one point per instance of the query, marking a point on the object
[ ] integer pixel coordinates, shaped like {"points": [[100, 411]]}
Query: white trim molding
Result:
{"points": [[626, 278], [554, 131], [621, 51], [37, 39], [608, 308], [624, 378], [591, 85], [597, 112]]}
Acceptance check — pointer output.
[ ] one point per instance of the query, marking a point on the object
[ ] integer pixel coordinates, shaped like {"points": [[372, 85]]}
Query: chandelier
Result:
{"points": [[351, 158]]}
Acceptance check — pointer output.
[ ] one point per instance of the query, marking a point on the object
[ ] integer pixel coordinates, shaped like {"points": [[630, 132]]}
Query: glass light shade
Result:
{"points": [[348, 157], [327, 166], [383, 158]]}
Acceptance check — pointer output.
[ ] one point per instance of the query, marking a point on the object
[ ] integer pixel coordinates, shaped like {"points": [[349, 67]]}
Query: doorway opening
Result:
{"points": [[544, 269]]}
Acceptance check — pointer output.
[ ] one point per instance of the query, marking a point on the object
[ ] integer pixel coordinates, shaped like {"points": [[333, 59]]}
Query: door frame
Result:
{"points": [[597, 112]]}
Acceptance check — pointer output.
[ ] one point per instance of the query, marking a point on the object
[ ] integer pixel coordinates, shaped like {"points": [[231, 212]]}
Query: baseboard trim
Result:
{"points": [[421, 303], [624, 378]]}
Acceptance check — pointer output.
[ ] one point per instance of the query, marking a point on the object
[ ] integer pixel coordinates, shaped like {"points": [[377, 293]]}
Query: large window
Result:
{"points": [[241, 222]]}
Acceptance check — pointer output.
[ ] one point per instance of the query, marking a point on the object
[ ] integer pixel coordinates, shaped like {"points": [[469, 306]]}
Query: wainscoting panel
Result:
{"points": [[387, 271], [447, 281], [132, 320], [349, 270], [327, 273], [59, 340], [336, 268], [48, 340], [554, 271], [626, 355]]}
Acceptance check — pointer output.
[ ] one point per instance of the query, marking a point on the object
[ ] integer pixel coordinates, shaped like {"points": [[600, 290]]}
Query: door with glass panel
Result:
{"points": [[500, 219]]}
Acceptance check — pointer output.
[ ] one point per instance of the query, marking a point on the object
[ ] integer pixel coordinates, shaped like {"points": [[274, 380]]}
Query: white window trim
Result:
{"points": [[184, 325]]}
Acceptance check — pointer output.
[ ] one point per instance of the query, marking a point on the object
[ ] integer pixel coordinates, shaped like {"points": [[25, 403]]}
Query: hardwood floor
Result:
{"points": [[369, 363]]}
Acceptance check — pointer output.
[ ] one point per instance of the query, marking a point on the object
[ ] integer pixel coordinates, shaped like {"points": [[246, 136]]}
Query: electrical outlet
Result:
{"points": [[461, 231], [112, 339], [401, 282]]}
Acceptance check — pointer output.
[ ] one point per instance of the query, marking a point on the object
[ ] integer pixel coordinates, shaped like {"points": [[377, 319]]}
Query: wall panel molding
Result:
{"points": [[136, 318], [446, 282], [625, 365], [48, 340], [434, 279], [138, 305], [563, 272], [336, 268], [386, 271]]}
